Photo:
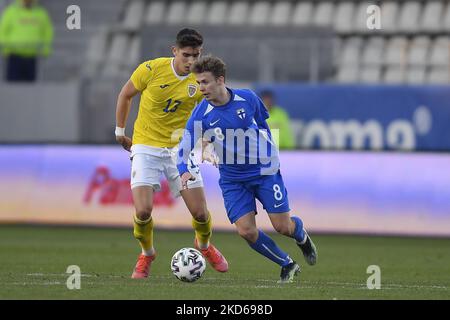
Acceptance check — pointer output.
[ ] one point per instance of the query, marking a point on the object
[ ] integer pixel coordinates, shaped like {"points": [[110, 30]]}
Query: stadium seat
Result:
{"points": [[409, 16], [302, 13], [389, 16], [176, 12], [323, 14], [360, 17], [133, 15], [415, 75], [238, 13], [373, 51], [438, 75], [218, 11], [370, 74], [116, 54], [155, 12], [134, 52], [197, 12], [418, 52], [446, 20], [432, 16], [439, 55], [350, 53], [343, 21], [281, 13], [347, 74], [338, 45], [396, 53], [259, 13], [394, 75], [97, 47]]}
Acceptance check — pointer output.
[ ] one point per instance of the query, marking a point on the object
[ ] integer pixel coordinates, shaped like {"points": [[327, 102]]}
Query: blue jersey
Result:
{"points": [[240, 134]]}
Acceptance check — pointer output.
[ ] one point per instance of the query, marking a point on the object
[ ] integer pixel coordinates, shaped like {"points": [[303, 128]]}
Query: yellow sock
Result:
{"points": [[203, 231], [143, 232]]}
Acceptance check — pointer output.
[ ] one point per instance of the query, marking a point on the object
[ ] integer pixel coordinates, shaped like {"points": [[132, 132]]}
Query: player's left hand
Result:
{"points": [[125, 142], [185, 177]]}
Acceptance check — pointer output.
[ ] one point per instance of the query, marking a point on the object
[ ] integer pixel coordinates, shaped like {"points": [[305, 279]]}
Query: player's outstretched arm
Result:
{"points": [[122, 111], [192, 133]]}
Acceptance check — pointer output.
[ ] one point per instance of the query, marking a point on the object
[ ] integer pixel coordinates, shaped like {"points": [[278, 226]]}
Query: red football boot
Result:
{"points": [[214, 257], [142, 268]]}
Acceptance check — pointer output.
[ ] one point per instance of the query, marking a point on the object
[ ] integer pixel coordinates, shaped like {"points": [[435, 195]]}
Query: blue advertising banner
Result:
{"points": [[367, 117]]}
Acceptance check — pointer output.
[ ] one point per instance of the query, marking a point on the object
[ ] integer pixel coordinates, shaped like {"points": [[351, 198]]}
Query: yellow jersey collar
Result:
{"points": [[175, 73]]}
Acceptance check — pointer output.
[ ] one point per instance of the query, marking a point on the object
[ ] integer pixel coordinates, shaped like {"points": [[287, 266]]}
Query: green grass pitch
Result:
{"points": [[34, 261]]}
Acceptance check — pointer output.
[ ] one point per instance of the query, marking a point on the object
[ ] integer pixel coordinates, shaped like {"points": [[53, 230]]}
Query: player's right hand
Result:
{"points": [[185, 177], [125, 142], [209, 154]]}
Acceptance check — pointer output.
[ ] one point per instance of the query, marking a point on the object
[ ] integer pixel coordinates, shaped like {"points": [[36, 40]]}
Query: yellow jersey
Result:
{"points": [[167, 101]]}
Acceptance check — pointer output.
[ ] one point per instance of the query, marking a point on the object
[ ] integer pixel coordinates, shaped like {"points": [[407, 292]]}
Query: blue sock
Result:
{"points": [[299, 234], [268, 248]]}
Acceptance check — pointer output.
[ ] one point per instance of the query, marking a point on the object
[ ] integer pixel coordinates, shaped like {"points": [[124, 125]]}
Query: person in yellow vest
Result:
{"points": [[26, 32], [169, 93], [279, 119]]}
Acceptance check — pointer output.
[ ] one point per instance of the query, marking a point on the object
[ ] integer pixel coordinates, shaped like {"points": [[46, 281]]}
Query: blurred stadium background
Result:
{"points": [[369, 111]]}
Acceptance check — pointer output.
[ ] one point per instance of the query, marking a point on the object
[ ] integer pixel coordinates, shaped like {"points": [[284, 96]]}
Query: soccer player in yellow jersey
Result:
{"points": [[169, 93]]}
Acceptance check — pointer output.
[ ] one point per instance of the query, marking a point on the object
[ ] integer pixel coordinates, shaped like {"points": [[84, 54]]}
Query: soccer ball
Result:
{"points": [[188, 264]]}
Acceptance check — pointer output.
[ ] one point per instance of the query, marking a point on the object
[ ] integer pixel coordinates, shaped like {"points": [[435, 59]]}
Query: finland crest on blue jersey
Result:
{"points": [[239, 132], [241, 113]]}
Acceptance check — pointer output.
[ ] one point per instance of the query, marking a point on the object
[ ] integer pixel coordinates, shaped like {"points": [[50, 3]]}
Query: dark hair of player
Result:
{"points": [[189, 38]]}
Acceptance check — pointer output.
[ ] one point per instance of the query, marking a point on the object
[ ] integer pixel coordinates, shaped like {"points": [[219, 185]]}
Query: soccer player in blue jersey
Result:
{"points": [[235, 122]]}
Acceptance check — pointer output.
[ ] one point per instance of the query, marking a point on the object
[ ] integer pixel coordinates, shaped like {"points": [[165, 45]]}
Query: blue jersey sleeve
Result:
{"points": [[192, 133], [261, 113]]}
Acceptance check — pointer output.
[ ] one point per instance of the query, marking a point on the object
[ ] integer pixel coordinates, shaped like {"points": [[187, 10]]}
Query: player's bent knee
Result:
{"points": [[144, 214], [200, 213], [201, 216], [249, 234]]}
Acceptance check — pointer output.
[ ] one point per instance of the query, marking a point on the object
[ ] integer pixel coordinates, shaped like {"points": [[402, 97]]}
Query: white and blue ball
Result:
{"points": [[188, 264]]}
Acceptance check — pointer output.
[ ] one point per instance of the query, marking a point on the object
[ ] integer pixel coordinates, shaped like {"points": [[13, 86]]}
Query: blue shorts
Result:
{"points": [[239, 196]]}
